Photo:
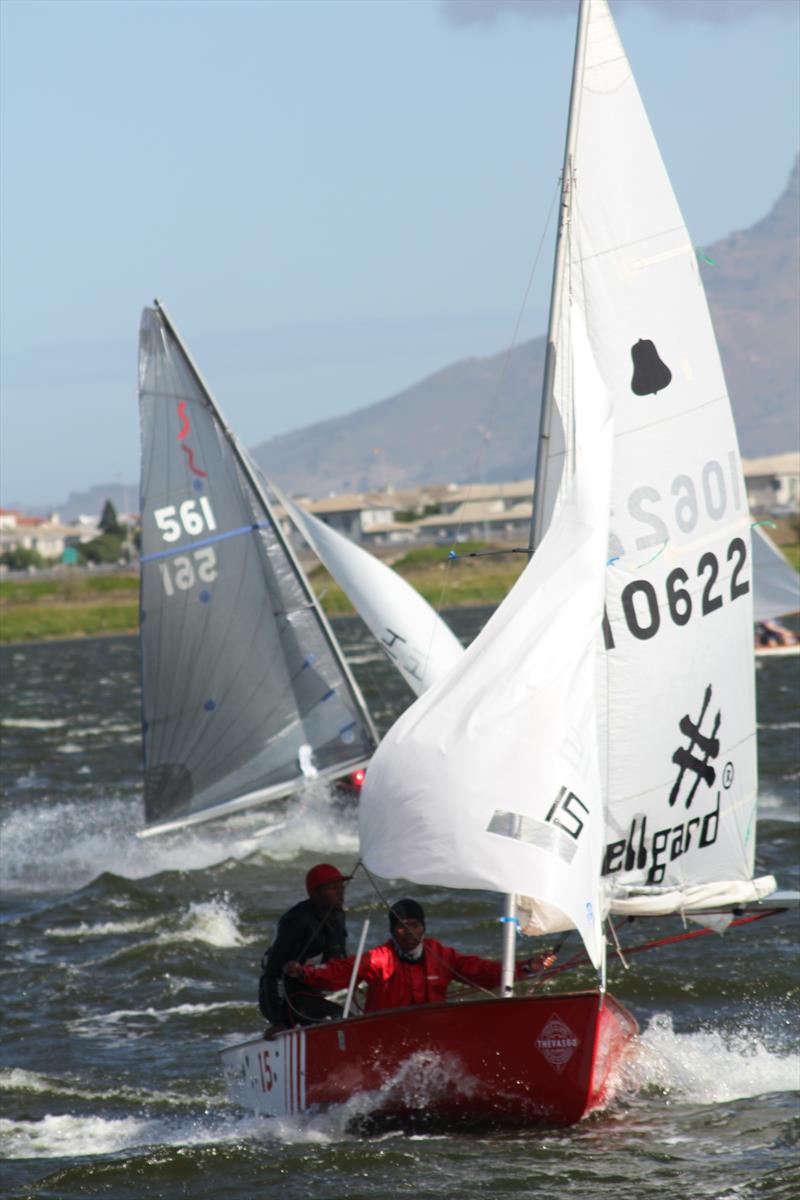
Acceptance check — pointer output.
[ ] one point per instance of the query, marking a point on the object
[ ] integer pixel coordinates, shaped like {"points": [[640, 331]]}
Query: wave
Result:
{"points": [[33, 722], [20, 1081], [65, 845], [707, 1066]]}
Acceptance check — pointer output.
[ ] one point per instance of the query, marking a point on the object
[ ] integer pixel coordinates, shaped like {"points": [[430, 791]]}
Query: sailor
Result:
{"points": [[313, 932], [772, 633], [410, 968]]}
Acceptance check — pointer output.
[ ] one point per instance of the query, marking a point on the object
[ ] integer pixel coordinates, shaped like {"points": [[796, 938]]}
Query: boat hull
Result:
{"points": [[777, 651], [531, 1059]]}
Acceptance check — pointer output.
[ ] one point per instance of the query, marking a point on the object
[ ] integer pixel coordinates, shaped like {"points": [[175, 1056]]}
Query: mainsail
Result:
{"points": [[245, 692], [676, 693], [505, 745]]}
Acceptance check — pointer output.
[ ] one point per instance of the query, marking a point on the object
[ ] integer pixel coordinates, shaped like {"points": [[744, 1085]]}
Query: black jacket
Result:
{"points": [[303, 936]]}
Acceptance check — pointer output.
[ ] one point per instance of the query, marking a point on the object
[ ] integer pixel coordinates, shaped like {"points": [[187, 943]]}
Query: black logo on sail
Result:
{"points": [[650, 374], [694, 758]]}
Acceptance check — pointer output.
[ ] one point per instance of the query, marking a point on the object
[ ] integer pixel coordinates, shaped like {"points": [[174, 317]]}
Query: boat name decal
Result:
{"points": [[557, 1043]]}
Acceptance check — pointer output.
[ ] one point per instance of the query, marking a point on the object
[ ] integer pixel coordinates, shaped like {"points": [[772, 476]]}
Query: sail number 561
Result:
{"points": [[186, 519]]}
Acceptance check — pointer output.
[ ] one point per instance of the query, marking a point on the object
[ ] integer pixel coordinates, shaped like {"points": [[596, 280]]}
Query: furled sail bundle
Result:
{"points": [[245, 692]]}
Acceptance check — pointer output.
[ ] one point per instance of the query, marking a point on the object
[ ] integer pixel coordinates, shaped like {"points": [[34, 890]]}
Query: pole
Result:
{"points": [[545, 419], [354, 975]]}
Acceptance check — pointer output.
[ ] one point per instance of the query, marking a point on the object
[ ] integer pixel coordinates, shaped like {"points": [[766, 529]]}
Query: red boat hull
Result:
{"points": [[531, 1059]]}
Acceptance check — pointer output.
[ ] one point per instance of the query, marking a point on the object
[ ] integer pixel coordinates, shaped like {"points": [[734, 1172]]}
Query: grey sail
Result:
{"points": [[245, 692], [776, 584]]}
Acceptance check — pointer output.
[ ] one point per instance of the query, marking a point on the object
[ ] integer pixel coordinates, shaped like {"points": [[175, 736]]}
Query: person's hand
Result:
{"points": [[293, 969], [531, 966]]}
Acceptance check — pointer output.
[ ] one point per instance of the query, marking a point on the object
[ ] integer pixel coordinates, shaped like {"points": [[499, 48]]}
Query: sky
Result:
{"points": [[333, 199]]}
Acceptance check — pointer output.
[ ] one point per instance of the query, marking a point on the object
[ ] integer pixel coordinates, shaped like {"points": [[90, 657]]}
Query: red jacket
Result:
{"points": [[394, 983]]}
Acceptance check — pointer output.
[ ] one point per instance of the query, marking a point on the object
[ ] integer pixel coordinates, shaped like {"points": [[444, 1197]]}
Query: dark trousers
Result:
{"points": [[310, 1007]]}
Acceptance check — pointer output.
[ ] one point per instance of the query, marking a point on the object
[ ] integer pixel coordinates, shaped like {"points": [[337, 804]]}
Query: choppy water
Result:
{"points": [[127, 964]]}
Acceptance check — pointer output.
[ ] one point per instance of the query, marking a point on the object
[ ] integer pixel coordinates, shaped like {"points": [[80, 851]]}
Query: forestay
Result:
{"points": [[491, 779], [245, 693], [676, 686], [411, 634]]}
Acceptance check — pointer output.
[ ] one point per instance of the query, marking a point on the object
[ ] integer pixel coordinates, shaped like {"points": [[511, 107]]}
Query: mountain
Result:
{"points": [[436, 431]]}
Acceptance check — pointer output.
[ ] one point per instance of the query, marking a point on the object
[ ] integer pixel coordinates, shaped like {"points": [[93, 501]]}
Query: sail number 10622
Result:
{"points": [[643, 608]]}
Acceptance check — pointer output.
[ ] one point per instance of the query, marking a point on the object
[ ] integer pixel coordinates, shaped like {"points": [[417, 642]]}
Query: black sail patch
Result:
{"points": [[650, 374]]}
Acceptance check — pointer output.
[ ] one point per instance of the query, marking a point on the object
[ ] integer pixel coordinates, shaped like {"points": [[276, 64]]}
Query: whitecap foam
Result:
{"points": [[212, 921], [104, 929], [136, 1018], [778, 808], [34, 722], [708, 1066], [65, 845], [72, 1137], [16, 1079]]}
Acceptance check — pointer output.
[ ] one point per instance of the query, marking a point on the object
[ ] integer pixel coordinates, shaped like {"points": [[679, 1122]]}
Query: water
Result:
{"points": [[127, 964]]}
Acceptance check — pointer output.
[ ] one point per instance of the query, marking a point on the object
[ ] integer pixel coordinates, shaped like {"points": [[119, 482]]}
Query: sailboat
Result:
{"points": [[246, 693], [593, 752]]}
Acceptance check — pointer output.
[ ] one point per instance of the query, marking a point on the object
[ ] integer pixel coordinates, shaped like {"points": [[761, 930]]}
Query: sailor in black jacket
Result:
{"points": [[313, 931]]}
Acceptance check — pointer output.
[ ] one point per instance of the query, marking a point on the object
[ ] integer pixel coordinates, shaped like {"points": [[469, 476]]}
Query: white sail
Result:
{"points": [[776, 584], [411, 634], [491, 779], [677, 734]]}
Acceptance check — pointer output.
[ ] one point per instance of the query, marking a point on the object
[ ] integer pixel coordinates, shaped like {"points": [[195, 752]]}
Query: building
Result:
{"points": [[773, 484]]}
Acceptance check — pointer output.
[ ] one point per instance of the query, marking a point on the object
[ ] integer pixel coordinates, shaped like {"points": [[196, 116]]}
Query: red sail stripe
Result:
{"points": [[187, 450], [182, 414]]}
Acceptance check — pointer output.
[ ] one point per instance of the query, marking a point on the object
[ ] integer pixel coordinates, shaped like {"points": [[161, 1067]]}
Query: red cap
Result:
{"points": [[324, 873]]}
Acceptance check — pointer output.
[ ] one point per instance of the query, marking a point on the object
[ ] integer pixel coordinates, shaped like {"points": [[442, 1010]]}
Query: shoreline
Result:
{"points": [[65, 605]]}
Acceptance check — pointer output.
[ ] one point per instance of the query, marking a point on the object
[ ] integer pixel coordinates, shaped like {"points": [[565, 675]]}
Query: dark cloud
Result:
{"points": [[707, 12]]}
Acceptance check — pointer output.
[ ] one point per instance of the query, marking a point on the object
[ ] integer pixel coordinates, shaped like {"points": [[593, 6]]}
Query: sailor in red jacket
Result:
{"points": [[410, 968]]}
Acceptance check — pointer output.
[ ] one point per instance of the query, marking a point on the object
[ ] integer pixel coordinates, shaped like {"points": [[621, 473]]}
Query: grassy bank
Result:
{"points": [[83, 605], [77, 604], [80, 604]]}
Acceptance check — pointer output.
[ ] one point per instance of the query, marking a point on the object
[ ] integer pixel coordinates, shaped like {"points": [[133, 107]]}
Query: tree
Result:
{"points": [[109, 521], [107, 548], [21, 558]]}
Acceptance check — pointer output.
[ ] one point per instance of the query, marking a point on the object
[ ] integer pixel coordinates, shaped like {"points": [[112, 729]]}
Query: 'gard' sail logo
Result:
{"points": [[654, 851], [557, 1043]]}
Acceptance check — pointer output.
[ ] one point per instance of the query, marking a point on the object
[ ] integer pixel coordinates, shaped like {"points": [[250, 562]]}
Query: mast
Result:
{"points": [[546, 415], [254, 482], [556, 292]]}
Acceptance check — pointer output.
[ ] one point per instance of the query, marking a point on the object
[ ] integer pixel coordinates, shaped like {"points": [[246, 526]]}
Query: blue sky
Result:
{"points": [[332, 198]]}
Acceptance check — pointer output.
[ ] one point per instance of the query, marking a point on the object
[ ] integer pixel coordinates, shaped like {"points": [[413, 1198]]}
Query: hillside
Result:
{"points": [[433, 431]]}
